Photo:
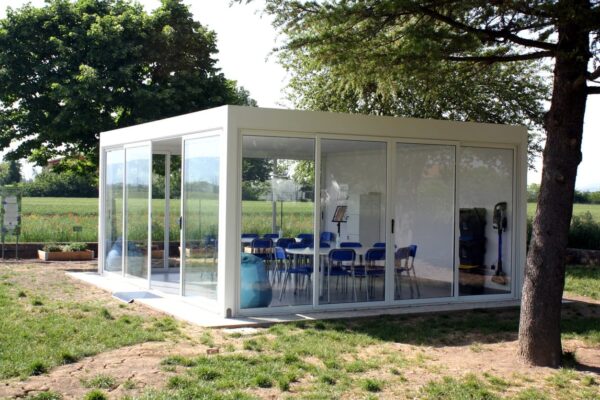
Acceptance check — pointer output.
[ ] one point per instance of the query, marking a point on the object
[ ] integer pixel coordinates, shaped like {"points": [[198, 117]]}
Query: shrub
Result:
{"points": [[584, 232], [95, 395], [52, 247], [75, 246], [63, 184]]}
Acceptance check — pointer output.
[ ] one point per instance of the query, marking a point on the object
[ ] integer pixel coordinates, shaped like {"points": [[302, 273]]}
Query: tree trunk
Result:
{"points": [[539, 328]]}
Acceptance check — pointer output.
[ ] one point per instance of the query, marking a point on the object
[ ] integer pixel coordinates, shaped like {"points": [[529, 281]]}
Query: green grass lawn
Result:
{"points": [[46, 321], [583, 281], [578, 209], [326, 359]]}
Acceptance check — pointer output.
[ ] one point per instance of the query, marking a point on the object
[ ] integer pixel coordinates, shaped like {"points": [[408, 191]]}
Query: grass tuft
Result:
{"points": [[372, 385], [178, 360], [46, 396], [100, 381], [263, 381], [104, 313], [37, 368], [95, 394]]}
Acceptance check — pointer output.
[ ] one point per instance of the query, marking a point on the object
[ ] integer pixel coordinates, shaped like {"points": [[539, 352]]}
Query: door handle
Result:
{"points": [[393, 223]]}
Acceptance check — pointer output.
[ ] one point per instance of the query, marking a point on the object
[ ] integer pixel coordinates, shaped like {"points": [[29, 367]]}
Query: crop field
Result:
{"points": [[578, 209], [51, 219]]}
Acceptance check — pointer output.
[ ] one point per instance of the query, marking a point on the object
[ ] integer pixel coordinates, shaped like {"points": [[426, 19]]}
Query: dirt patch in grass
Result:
{"points": [[355, 361]]}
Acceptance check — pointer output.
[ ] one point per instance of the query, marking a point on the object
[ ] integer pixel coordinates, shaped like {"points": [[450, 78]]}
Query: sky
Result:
{"points": [[246, 38]]}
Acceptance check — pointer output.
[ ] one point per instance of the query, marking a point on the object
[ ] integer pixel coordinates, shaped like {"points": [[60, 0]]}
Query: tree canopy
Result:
{"points": [[70, 70]]}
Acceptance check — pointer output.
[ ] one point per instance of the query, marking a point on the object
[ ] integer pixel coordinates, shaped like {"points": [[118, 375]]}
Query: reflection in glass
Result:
{"points": [[277, 208], [113, 223], [486, 181], [353, 174], [424, 221], [201, 217], [137, 161], [165, 254]]}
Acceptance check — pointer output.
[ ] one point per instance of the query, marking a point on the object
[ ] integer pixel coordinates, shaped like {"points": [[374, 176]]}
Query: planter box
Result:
{"points": [[157, 254], [66, 255]]}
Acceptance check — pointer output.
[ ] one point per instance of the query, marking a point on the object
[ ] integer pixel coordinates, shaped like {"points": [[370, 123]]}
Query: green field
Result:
{"points": [[578, 209], [51, 219]]}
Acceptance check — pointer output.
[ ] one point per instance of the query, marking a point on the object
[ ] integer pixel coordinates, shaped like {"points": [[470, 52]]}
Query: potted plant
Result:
{"points": [[68, 252]]}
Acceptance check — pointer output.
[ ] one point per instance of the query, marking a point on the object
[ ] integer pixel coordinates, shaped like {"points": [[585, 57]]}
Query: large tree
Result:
{"points": [[72, 69], [382, 40]]}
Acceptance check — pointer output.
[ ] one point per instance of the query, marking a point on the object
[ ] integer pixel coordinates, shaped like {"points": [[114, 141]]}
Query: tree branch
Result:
{"points": [[592, 76], [489, 33], [493, 59], [593, 90]]}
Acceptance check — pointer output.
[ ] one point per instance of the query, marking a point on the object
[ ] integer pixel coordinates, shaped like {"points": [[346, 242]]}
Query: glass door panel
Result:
{"points": [[277, 238], [353, 216], [424, 221], [113, 210], [200, 217], [486, 207], [137, 187]]}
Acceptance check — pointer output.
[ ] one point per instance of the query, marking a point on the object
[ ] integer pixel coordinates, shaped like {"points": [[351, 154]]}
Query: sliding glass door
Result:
{"points": [[138, 169], [423, 213], [200, 210]]}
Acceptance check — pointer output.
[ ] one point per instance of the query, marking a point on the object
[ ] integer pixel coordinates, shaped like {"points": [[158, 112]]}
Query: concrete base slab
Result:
{"points": [[181, 309]]}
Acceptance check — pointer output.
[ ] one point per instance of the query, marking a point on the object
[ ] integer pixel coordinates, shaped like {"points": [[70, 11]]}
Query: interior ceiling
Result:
{"points": [[280, 147], [301, 149]]}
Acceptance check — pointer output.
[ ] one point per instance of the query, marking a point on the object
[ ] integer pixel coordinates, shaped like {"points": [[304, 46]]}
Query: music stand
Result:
{"points": [[339, 216]]}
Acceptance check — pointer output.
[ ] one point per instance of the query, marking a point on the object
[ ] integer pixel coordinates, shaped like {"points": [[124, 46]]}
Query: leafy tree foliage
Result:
{"points": [[49, 183], [70, 70], [10, 172], [493, 93], [386, 43]]}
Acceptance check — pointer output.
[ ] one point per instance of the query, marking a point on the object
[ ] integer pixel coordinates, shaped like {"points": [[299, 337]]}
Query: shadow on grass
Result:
{"points": [[459, 328]]}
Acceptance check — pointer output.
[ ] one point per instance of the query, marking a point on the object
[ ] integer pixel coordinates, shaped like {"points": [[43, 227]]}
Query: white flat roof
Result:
{"points": [[284, 122]]}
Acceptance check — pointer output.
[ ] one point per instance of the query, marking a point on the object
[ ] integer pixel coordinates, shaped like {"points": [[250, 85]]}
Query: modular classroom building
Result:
{"points": [[247, 211]]}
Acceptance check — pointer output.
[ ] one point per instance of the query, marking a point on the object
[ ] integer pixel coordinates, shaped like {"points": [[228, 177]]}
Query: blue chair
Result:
{"points": [[306, 238], [284, 242], [272, 236], [379, 245], [263, 249], [279, 263], [250, 236], [298, 266], [404, 262], [350, 245], [327, 237], [374, 267], [341, 264]]}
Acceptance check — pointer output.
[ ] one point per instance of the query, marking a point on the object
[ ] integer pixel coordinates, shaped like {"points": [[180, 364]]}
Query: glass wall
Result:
{"points": [[137, 186], [201, 216], [277, 221], [424, 221], [486, 209], [165, 222], [113, 206], [353, 196]]}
